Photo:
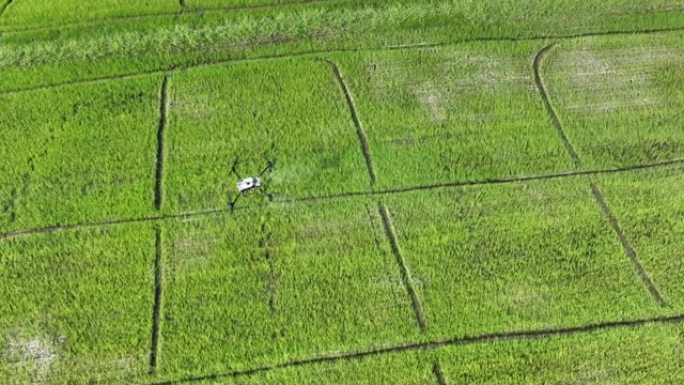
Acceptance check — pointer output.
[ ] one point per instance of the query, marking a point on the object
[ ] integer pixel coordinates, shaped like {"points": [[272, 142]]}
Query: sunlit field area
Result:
{"points": [[234, 192]]}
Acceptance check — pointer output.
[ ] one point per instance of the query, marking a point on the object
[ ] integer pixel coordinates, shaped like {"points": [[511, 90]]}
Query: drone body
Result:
{"points": [[248, 184]]}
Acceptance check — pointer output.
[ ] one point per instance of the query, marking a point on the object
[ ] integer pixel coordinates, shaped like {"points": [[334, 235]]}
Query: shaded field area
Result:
{"points": [[498, 203]]}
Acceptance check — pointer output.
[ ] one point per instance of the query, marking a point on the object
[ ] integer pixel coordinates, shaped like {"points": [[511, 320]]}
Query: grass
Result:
{"points": [[77, 306], [78, 154], [122, 262]]}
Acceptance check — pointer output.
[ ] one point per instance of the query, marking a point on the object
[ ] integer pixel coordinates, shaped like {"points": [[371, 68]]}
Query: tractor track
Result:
{"points": [[4, 7], [227, 210], [626, 246], [363, 139], [156, 312], [596, 191], [437, 371], [435, 344], [403, 268], [316, 52], [161, 129], [538, 60]]}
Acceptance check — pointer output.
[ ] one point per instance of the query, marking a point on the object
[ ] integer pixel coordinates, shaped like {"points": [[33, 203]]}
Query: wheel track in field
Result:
{"points": [[4, 7], [598, 195], [489, 338], [317, 52], [158, 297], [363, 139], [181, 12], [439, 375], [161, 129], [224, 211], [269, 258], [403, 268]]}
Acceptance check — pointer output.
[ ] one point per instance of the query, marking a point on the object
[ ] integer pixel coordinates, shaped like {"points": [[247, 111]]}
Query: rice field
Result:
{"points": [[452, 192]]}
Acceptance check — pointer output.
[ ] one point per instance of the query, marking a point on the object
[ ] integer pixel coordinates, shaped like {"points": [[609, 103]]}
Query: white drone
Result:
{"points": [[245, 185], [248, 184]]}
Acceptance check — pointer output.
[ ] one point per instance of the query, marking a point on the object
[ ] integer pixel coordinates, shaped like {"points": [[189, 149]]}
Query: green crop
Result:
{"points": [[289, 112], [620, 98], [168, 41], [42, 13], [651, 355], [78, 154], [76, 306], [647, 204], [423, 217], [279, 283], [520, 256], [457, 113]]}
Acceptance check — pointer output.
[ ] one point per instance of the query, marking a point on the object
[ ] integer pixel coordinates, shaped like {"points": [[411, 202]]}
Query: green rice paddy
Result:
{"points": [[453, 192]]}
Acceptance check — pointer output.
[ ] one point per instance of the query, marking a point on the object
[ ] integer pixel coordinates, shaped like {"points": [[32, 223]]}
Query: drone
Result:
{"points": [[245, 185]]}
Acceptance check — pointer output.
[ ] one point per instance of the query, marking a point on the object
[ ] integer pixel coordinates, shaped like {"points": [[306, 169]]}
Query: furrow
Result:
{"points": [[403, 268], [4, 7], [437, 371], [357, 122], [626, 246], [156, 312], [600, 201], [538, 59], [161, 129]]}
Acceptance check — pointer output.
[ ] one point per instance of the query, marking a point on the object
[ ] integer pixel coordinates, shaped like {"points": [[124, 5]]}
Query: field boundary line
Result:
{"points": [[156, 312], [437, 371], [324, 51], [596, 191], [363, 139], [216, 211], [436, 344], [161, 129], [182, 11], [4, 8], [490, 181], [626, 246], [403, 268]]}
